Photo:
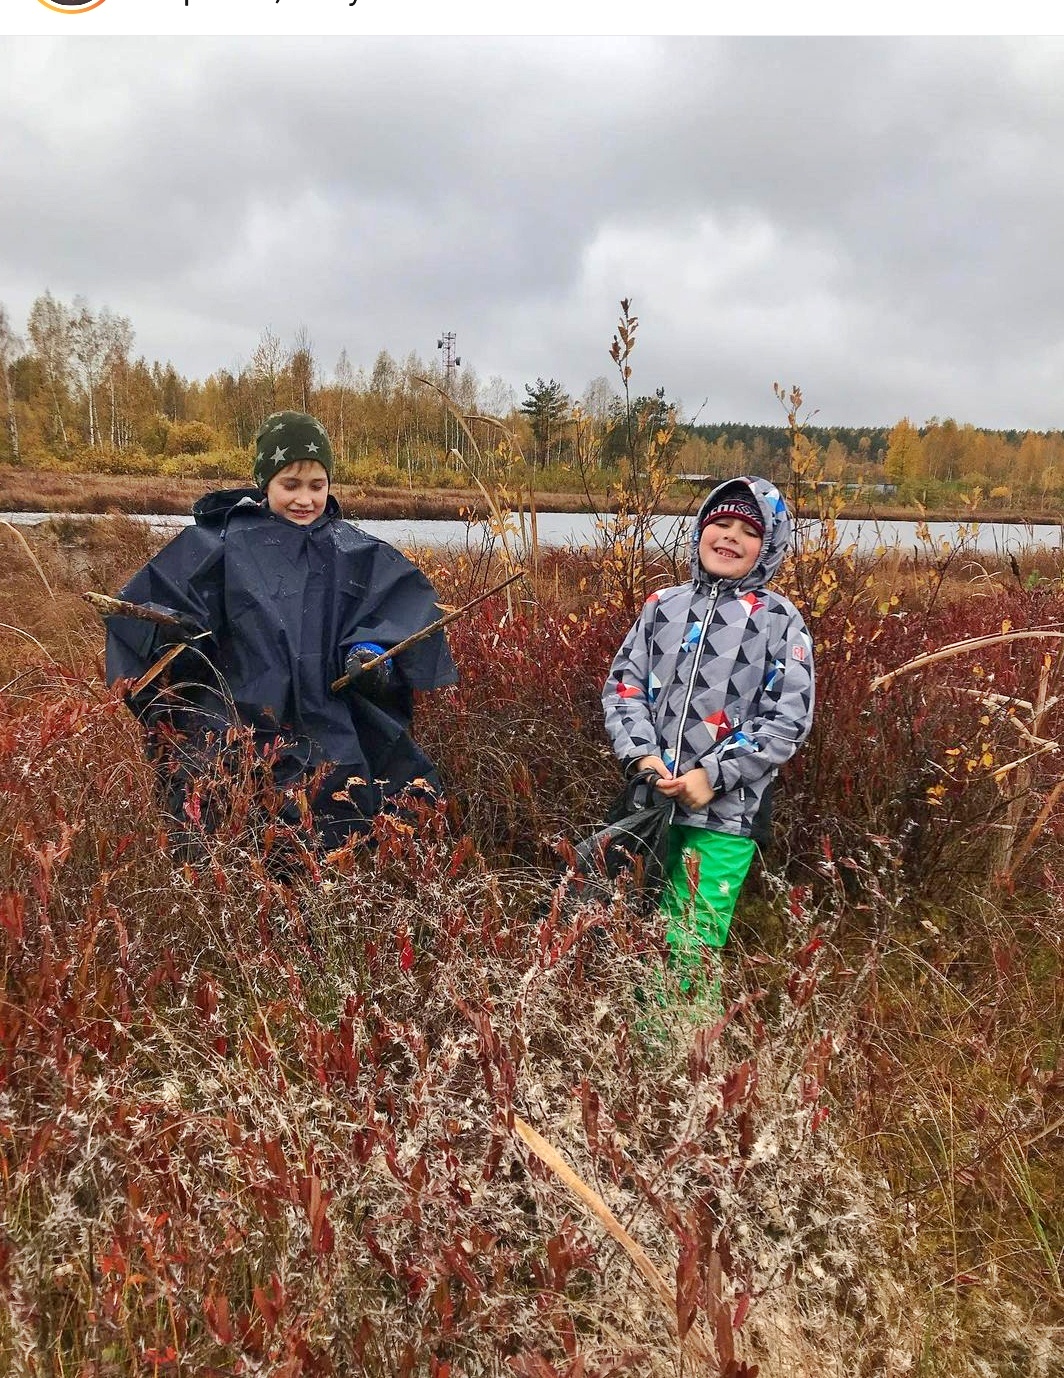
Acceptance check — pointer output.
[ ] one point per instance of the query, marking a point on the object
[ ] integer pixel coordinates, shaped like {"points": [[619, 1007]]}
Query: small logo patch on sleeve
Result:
{"points": [[798, 652]]}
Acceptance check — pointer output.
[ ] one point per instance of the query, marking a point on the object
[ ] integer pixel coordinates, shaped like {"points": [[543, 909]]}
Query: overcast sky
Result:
{"points": [[880, 220]]}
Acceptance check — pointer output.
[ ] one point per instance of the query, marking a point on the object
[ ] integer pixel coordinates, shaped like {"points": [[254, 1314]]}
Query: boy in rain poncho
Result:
{"points": [[291, 598]]}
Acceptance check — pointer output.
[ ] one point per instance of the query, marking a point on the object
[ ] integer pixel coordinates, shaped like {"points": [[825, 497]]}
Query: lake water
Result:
{"points": [[579, 528]]}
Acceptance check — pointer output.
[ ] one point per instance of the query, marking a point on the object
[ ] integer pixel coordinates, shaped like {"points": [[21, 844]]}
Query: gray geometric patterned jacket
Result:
{"points": [[718, 673]]}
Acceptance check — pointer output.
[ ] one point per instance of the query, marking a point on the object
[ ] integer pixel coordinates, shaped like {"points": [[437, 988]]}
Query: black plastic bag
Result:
{"points": [[635, 838]]}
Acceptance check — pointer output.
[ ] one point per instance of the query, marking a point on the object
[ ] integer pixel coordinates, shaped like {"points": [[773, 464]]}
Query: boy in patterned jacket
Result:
{"points": [[713, 690]]}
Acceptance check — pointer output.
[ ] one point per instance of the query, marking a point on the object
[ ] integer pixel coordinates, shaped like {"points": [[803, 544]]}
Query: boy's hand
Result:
{"points": [[372, 683], [691, 789], [653, 763]]}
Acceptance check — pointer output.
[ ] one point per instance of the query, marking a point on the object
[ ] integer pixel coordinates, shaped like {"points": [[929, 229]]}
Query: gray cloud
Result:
{"points": [[876, 219]]}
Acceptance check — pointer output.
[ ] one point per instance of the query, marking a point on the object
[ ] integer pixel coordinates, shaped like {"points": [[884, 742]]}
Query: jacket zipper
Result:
{"points": [[691, 678]]}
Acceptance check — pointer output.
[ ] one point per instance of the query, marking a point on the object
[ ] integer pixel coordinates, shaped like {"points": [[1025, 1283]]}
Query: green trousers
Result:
{"points": [[704, 873]]}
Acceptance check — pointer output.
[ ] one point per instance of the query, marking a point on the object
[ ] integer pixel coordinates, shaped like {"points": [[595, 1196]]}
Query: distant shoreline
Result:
{"points": [[24, 490]]}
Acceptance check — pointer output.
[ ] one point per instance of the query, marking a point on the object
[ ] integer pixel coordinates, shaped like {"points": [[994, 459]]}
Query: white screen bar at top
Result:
{"points": [[517, 18]]}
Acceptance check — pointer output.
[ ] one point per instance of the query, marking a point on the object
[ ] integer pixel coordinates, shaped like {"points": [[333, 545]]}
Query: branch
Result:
{"points": [[976, 643]]}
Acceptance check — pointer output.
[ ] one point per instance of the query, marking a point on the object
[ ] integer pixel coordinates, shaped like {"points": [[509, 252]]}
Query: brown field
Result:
{"points": [[23, 490], [27, 490]]}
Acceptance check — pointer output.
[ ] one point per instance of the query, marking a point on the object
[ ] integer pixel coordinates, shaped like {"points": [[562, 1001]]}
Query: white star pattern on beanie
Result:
{"points": [[312, 449], [278, 455]]}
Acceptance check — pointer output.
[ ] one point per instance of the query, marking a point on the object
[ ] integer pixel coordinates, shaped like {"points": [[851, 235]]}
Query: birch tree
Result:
{"points": [[116, 338], [49, 331], [88, 346], [301, 369], [345, 379], [10, 347], [267, 363]]}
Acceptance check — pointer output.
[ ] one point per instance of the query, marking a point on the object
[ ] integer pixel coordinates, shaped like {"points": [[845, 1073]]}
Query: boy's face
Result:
{"points": [[298, 492], [728, 548]]}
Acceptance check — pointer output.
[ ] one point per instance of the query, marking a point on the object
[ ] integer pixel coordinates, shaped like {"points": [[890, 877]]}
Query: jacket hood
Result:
{"points": [[777, 538], [215, 509]]}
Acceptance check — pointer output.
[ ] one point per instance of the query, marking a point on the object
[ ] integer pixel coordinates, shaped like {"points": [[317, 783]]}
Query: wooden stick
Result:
{"points": [[154, 671], [442, 622], [117, 607], [1020, 852], [613, 1227]]}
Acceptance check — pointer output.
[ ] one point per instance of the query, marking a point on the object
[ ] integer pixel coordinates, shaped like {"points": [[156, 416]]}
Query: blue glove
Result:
{"points": [[374, 683]]}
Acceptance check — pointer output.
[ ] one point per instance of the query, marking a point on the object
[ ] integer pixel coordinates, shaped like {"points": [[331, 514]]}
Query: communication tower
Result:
{"points": [[447, 344]]}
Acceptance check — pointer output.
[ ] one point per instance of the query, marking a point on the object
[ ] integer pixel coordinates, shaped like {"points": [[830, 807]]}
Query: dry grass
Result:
{"points": [[248, 1127]]}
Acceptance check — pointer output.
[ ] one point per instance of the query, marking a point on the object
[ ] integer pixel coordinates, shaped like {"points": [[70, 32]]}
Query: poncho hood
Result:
{"points": [[215, 509]]}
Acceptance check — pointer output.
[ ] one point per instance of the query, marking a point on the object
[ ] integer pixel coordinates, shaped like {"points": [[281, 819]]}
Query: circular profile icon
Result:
{"points": [[71, 6]]}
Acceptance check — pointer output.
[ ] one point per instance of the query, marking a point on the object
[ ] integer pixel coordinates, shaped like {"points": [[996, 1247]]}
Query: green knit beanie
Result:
{"points": [[284, 438]]}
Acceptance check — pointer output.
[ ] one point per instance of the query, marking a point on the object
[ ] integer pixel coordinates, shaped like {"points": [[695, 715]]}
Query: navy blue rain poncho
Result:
{"points": [[284, 603]]}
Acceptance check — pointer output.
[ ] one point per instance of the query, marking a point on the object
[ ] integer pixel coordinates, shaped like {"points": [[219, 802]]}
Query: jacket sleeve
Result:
{"points": [[780, 721], [626, 700]]}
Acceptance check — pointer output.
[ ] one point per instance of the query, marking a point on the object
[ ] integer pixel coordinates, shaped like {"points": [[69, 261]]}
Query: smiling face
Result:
{"points": [[728, 547], [299, 491]]}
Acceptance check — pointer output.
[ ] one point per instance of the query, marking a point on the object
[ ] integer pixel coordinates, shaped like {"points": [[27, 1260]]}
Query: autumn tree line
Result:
{"points": [[75, 397]]}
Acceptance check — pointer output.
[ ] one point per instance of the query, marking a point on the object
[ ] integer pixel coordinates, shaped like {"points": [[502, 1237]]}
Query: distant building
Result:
{"points": [[879, 490]]}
